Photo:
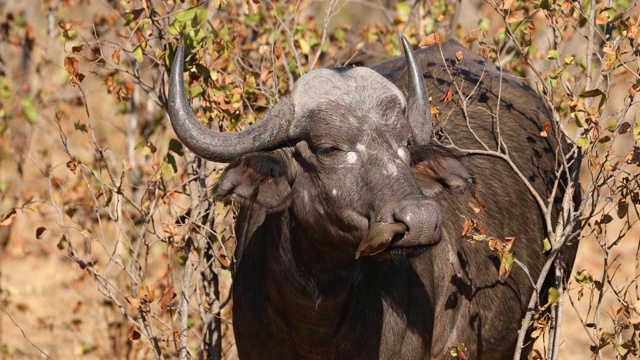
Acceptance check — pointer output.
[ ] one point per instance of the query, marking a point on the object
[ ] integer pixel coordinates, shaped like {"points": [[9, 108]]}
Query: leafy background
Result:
{"points": [[109, 244]]}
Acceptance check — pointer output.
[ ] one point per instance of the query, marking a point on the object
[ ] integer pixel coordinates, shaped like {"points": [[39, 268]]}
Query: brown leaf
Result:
{"points": [[608, 49], [135, 302], [447, 97], [495, 245], [71, 65], [536, 333], [431, 39], [623, 207], [508, 242], [72, 164], [134, 333], [170, 229], [469, 226], [602, 18], [115, 56], [30, 36], [7, 218], [515, 16], [77, 308], [477, 208], [547, 129], [624, 127], [506, 4], [167, 297], [633, 157], [458, 56], [146, 292], [632, 31], [224, 261]]}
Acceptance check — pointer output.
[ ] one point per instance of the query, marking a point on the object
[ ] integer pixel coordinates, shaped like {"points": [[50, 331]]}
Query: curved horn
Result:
{"points": [[270, 131], [418, 107]]}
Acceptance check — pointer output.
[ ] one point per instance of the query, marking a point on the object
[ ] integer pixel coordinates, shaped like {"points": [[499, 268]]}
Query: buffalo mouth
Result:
{"points": [[388, 237]]}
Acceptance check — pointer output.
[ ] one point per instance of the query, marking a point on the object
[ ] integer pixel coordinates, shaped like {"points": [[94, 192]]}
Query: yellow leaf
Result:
{"points": [[304, 46]]}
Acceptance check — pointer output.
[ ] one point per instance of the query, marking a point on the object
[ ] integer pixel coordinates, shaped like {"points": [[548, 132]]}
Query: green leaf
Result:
{"points": [[167, 171], [583, 141], [404, 10], [195, 91], [584, 278], [137, 53], [171, 160], [186, 15], [546, 245], [604, 139], [553, 55], [63, 243], [29, 110], [554, 295], [201, 16]]}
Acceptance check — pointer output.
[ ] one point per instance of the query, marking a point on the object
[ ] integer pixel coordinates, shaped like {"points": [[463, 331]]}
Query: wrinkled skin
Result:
{"points": [[350, 181]]}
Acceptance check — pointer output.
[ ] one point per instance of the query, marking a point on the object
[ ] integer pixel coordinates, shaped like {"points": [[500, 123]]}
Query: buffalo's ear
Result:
{"points": [[438, 171], [258, 178]]}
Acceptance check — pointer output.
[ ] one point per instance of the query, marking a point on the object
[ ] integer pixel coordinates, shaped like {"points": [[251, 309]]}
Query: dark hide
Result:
{"points": [[298, 290]]}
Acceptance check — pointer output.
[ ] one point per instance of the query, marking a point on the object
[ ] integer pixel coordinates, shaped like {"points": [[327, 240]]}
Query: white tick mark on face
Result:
{"points": [[351, 157], [391, 170], [404, 154], [360, 147], [334, 192]]}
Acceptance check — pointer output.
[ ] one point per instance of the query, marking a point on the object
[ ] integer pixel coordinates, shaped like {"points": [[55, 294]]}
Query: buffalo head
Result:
{"points": [[346, 155]]}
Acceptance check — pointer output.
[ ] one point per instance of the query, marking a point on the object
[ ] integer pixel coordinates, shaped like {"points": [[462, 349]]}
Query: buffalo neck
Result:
{"points": [[325, 306]]}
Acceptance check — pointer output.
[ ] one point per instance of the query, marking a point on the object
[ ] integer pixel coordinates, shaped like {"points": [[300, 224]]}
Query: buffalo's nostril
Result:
{"points": [[422, 219], [420, 216], [407, 215]]}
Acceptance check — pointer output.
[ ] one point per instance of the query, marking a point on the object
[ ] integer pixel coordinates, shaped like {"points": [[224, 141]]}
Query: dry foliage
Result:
{"points": [[100, 202]]}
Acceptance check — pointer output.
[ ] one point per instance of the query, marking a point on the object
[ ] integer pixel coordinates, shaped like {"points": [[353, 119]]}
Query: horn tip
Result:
{"points": [[405, 43]]}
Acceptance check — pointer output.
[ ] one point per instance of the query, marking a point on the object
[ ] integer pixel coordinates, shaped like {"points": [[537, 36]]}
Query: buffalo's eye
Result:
{"points": [[326, 150]]}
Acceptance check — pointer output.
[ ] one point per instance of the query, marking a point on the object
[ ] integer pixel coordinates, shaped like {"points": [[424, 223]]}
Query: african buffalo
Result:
{"points": [[349, 234]]}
